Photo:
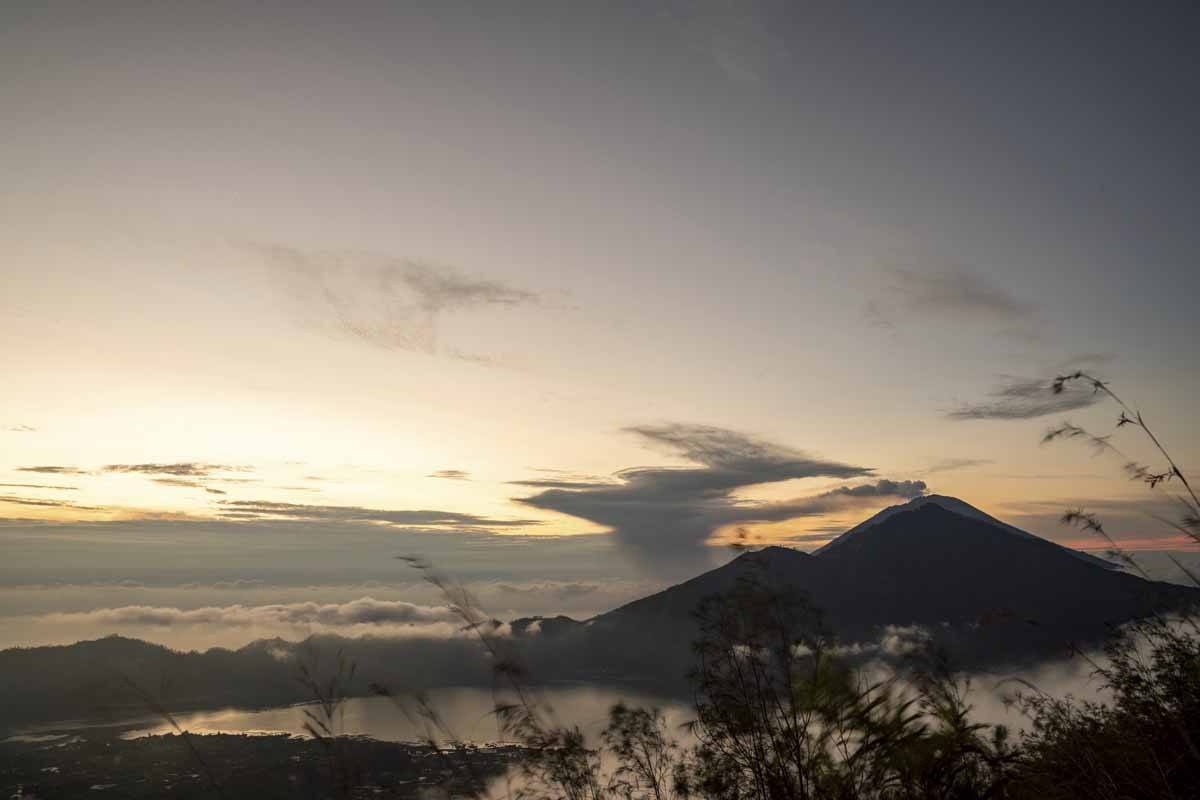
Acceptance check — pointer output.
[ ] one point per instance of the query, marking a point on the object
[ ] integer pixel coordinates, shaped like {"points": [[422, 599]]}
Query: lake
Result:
{"points": [[465, 711]]}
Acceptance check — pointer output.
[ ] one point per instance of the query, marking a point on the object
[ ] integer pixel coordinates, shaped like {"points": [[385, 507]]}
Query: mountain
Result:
{"points": [[983, 590], [956, 506], [116, 678], [987, 593]]}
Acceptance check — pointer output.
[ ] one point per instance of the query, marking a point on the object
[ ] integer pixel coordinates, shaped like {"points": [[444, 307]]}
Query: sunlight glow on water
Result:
{"points": [[465, 711]]}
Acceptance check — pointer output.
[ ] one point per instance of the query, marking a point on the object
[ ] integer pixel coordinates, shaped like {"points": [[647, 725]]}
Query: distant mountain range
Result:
{"points": [[936, 568]]}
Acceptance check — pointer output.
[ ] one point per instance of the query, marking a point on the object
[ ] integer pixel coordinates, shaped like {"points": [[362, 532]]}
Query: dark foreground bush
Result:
{"points": [[1144, 743]]}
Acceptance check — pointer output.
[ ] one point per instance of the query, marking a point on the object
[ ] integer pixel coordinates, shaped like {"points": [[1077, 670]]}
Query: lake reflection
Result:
{"points": [[466, 712]]}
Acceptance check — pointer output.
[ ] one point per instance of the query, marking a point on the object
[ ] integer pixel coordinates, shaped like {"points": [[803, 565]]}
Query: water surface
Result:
{"points": [[466, 712]]}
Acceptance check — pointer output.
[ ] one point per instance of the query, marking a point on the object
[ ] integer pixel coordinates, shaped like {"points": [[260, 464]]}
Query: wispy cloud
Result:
{"points": [[39, 486], [21, 429], [185, 469], [187, 484], [1134, 522], [392, 303], [663, 516], [563, 479], [451, 474], [551, 483], [53, 470], [42, 503], [952, 464], [956, 294], [1025, 398], [263, 509]]}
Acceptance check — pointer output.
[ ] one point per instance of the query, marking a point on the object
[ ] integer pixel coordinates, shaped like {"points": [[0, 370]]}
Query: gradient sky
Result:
{"points": [[296, 288]]}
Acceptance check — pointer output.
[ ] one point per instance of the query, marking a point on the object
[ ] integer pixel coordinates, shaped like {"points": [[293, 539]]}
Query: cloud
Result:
{"points": [[894, 641], [21, 429], [951, 464], [392, 303], [563, 479], [186, 469], [1135, 522], [1024, 398], [898, 640], [550, 483], [38, 486], [40, 503], [365, 611], [263, 509], [954, 294], [188, 484], [663, 516], [957, 292], [239, 583], [567, 589], [54, 470], [906, 490], [819, 535], [828, 501], [451, 474]]}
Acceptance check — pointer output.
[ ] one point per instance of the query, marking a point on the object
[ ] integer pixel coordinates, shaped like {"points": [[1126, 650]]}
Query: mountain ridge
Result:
{"points": [[987, 594]]}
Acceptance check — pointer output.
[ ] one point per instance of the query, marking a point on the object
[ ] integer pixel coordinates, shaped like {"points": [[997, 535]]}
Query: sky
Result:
{"points": [[567, 297]]}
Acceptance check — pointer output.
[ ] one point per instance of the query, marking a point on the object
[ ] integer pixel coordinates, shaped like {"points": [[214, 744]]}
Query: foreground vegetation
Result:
{"points": [[780, 716]]}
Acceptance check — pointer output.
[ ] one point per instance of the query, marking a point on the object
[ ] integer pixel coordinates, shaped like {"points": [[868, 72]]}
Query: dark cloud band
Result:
{"points": [[663, 516]]}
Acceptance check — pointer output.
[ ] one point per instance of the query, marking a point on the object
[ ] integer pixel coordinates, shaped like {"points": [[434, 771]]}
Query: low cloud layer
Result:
{"points": [[363, 611], [663, 516], [392, 303], [235, 625], [54, 470], [893, 641], [553, 589], [1022, 398]]}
